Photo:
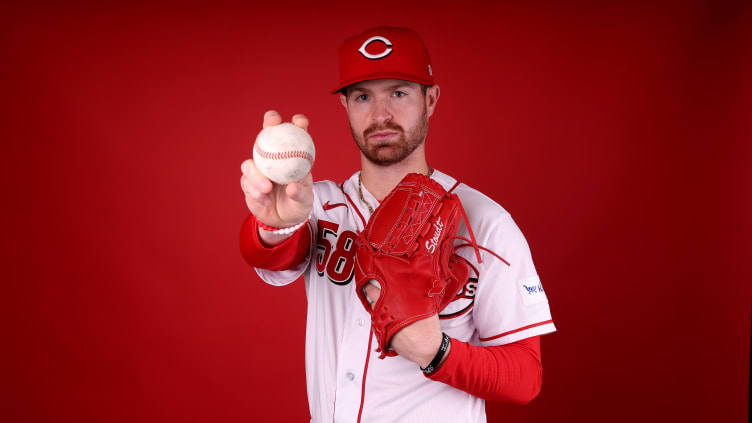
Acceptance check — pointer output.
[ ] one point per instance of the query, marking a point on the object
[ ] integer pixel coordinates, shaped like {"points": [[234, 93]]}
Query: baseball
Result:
{"points": [[284, 153]]}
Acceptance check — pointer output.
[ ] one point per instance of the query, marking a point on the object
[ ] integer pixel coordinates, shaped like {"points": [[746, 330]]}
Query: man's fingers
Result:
{"points": [[255, 177], [372, 292], [301, 121], [252, 193], [272, 118], [301, 191], [246, 185]]}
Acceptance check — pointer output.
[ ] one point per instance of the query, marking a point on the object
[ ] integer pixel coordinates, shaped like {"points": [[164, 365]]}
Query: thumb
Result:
{"points": [[301, 191]]}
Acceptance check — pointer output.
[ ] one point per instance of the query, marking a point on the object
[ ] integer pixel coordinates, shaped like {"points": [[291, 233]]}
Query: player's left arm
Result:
{"points": [[510, 312], [509, 373], [506, 373]]}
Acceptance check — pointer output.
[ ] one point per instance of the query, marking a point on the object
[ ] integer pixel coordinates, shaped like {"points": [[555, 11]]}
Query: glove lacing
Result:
{"points": [[472, 241]]}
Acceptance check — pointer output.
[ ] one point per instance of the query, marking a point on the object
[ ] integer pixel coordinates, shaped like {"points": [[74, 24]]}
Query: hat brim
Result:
{"points": [[384, 75]]}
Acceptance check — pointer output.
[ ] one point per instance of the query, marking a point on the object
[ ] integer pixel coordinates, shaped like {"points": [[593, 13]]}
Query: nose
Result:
{"points": [[382, 112]]}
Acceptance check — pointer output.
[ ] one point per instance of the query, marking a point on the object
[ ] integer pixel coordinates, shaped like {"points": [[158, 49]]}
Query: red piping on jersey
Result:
{"points": [[354, 206], [365, 371], [517, 330], [370, 335]]}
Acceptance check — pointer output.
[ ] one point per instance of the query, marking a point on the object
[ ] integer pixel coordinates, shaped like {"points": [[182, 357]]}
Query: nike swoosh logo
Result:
{"points": [[329, 206]]}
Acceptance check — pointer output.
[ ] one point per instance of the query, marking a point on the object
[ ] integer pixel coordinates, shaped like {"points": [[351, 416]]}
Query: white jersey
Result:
{"points": [[346, 380]]}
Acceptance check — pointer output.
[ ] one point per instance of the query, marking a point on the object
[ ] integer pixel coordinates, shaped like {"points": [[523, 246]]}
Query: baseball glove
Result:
{"points": [[408, 250]]}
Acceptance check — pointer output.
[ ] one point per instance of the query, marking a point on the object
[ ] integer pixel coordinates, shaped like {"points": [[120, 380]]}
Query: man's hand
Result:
{"points": [[275, 205], [418, 342]]}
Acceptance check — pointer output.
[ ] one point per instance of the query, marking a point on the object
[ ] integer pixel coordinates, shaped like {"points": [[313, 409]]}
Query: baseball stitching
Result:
{"points": [[293, 154]]}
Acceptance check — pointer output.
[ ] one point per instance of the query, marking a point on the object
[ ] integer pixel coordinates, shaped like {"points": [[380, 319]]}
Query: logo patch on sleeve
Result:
{"points": [[531, 290]]}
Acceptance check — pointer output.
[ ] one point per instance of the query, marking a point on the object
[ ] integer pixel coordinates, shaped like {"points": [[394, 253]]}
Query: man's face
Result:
{"points": [[388, 117]]}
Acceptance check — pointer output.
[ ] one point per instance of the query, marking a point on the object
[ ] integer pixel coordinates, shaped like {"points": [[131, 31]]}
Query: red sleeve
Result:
{"points": [[505, 373], [284, 256]]}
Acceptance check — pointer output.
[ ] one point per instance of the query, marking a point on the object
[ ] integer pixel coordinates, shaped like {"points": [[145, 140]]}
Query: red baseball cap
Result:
{"points": [[384, 52]]}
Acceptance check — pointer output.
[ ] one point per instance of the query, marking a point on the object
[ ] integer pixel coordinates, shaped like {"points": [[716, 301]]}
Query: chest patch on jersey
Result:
{"points": [[531, 291], [462, 302]]}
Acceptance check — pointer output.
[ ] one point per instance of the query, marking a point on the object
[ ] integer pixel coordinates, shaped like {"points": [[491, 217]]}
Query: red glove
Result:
{"points": [[407, 249]]}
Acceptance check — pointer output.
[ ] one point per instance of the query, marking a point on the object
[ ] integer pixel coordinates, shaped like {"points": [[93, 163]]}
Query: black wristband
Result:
{"points": [[439, 355]]}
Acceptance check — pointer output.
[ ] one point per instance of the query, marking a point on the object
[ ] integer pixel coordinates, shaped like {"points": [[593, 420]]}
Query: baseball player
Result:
{"points": [[483, 345]]}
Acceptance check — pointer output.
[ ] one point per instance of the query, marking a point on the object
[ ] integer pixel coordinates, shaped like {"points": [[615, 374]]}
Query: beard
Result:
{"points": [[390, 152]]}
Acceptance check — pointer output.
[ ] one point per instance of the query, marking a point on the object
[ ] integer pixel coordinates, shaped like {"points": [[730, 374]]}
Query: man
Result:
{"points": [[386, 87]]}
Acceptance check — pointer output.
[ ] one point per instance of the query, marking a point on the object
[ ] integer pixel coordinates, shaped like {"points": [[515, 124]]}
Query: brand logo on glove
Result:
{"points": [[433, 242]]}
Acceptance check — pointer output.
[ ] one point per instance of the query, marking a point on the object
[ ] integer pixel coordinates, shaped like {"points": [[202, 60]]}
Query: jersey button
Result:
{"points": [[350, 376], [361, 321]]}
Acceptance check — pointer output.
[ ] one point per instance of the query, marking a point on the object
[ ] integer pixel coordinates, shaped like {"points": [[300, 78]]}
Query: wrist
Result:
{"points": [[288, 230], [271, 236], [441, 355], [270, 240]]}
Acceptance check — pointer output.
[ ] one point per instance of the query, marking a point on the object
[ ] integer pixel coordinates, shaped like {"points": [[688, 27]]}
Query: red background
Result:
{"points": [[617, 135]]}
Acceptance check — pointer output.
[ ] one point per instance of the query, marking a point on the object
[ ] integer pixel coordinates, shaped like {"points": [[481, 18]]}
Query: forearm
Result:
{"points": [[506, 373], [279, 253]]}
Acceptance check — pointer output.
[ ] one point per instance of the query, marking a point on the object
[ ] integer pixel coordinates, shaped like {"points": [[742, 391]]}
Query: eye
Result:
{"points": [[362, 97], [399, 94]]}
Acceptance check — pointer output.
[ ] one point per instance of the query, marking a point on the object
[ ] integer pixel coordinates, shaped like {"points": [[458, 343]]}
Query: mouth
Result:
{"points": [[383, 136]]}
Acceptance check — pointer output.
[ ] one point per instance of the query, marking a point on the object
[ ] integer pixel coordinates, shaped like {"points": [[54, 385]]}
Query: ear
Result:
{"points": [[432, 97], [343, 100]]}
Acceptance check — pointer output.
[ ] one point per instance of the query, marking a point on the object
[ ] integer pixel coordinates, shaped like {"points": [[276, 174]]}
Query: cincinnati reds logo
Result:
{"points": [[381, 55], [463, 301]]}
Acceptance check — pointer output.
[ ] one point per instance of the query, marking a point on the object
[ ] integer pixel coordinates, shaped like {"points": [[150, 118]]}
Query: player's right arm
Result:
{"points": [[274, 205]]}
